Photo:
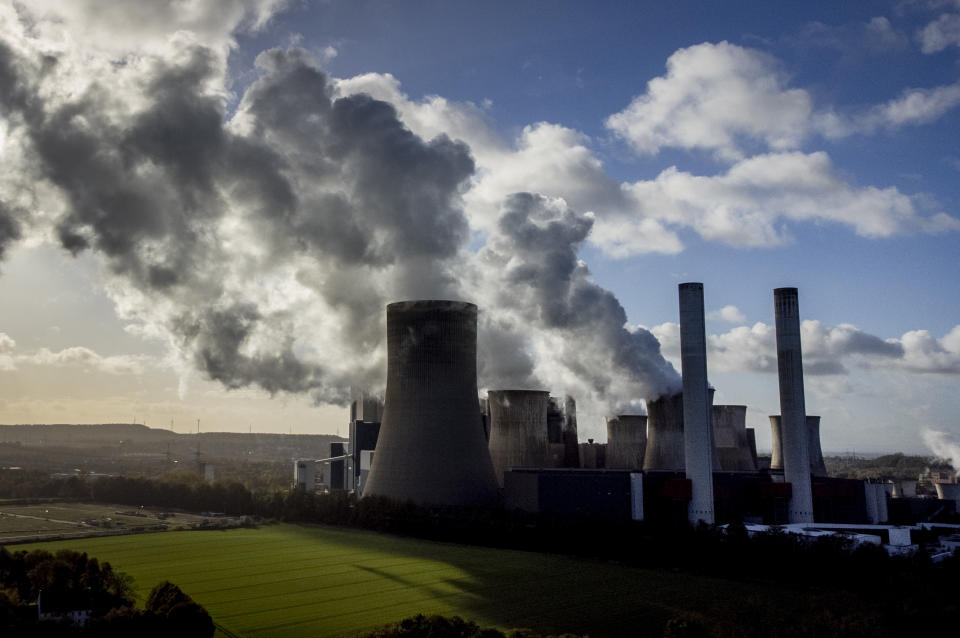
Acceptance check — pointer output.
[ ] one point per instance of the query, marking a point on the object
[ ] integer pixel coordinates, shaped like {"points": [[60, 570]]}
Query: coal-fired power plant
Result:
{"points": [[697, 429], [796, 456], [626, 441], [686, 460], [431, 447], [518, 429]]}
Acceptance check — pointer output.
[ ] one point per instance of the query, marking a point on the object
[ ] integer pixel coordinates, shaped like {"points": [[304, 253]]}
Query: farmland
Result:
{"points": [[60, 520], [300, 580]]}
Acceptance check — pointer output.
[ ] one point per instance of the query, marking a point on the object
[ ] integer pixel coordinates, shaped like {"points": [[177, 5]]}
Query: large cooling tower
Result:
{"points": [[817, 465], [776, 443], [796, 455], [730, 437], [665, 434], [518, 429], [626, 441], [431, 448]]}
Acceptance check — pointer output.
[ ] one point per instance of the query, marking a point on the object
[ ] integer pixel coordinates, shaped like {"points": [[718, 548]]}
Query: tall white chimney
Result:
{"points": [[796, 456], [697, 435]]}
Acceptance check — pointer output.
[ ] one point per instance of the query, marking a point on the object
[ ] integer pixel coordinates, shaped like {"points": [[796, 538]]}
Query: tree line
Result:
{"points": [[68, 580], [861, 589]]}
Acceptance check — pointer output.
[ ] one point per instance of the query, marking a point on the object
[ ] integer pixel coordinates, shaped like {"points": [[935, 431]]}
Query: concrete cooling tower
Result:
{"points": [[948, 491], [752, 442], [431, 449], [817, 465], [730, 437], [571, 443], [665, 434], [776, 444], [665, 445], [518, 429], [626, 441]]}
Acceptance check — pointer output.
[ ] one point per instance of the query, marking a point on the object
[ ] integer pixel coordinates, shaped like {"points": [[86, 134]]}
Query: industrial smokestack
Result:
{"points": [[776, 442], [626, 441], [817, 465], [518, 429], [665, 434], [697, 435], [796, 456], [431, 448], [730, 435]]}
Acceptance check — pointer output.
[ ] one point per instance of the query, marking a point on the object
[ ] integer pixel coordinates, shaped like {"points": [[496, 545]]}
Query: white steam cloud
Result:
{"points": [[943, 445], [264, 242]]}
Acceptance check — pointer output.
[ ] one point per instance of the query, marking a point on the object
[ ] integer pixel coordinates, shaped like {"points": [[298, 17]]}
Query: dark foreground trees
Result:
{"points": [[70, 584]]}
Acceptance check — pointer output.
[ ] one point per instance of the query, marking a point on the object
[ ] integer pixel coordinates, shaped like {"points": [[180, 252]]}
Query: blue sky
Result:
{"points": [[747, 146]]}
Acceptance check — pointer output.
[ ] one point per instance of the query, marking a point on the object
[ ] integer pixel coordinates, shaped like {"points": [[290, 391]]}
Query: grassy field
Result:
{"points": [[300, 580], [20, 523]]}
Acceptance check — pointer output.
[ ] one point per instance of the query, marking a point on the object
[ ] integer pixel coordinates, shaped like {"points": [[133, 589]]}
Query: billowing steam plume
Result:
{"points": [[943, 445], [263, 242]]}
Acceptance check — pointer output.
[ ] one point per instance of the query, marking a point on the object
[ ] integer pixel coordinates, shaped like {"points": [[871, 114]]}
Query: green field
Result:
{"points": [[307, 580], [23, 523]]}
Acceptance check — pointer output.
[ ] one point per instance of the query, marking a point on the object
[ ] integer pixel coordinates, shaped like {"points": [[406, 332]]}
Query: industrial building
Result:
{"points": [[433, 441]]}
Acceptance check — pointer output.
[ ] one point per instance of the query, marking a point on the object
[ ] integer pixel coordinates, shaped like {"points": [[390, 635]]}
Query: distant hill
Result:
{"points": [[128, 439]]}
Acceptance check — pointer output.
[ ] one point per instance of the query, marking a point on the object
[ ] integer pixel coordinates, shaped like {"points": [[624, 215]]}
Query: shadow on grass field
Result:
{"points": [[308, 580]]}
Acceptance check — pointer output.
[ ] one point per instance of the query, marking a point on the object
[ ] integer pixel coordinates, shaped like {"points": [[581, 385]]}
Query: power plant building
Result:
{"points": [[438, 443]]}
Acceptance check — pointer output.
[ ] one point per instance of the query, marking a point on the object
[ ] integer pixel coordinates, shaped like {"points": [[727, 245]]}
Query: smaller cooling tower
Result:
{"points": [[752, 442], [558, 450], [593, 456], [817, 465], [904, 489], [626, 441], [518, 429], [948, 492], [665, 434], [776, 443], [431, 449], [730, 437], [570, 442]]}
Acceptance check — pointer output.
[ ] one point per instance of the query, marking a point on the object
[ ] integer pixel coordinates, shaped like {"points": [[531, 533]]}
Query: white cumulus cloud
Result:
{"points": [[941, 33], [717, 97], [827, 350], [728, 313]]}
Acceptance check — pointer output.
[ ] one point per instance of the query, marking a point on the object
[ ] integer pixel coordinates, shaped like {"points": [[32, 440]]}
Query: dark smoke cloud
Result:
{"points": [[338, 192], [9, 229], [265, 243]]}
